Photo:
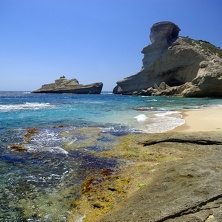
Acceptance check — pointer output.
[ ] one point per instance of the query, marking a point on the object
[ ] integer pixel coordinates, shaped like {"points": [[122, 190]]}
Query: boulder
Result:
{"points": [[189, 67], [208, 81], [63, 85]]}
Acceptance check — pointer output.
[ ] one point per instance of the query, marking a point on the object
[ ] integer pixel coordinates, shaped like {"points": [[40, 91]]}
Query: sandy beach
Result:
{"points": [[201, 120]]}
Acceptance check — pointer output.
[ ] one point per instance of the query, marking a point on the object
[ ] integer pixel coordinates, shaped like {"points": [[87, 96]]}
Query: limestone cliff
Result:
{"points": [[175, 65], [63, 85]]}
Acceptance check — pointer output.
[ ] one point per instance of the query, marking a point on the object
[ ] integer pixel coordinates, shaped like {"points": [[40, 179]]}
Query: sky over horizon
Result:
{"points": [[90, 40]]}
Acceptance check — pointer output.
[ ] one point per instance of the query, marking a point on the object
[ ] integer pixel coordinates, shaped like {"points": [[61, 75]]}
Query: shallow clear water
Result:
{"points": [[42, 182]]}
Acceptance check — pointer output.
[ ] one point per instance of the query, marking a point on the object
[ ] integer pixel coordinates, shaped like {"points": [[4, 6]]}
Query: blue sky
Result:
{"points": [[91, 40]]}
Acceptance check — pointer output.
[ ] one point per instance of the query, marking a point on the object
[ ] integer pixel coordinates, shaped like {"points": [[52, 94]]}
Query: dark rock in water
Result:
{"points": [[145, 108], [63, 85], [17, 147], [175, 65]]}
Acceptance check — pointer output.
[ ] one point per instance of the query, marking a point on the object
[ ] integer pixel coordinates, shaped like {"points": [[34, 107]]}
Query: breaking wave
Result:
{"points": [[24, 106]]}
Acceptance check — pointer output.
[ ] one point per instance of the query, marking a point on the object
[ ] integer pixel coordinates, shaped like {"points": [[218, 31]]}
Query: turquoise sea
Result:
{"points": [[60, 135]]}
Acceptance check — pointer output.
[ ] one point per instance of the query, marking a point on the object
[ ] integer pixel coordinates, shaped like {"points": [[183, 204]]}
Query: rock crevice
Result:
{"points": [[194, 141], [195, 209]]}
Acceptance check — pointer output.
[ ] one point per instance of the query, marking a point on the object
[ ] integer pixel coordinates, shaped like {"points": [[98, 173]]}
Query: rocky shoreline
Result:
{"points": [[172, 176], [184, 184], [168, 177]]}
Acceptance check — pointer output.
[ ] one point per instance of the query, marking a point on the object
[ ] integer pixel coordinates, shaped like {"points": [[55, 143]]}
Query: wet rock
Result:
{"points": [[17, 147], [29, 134]]}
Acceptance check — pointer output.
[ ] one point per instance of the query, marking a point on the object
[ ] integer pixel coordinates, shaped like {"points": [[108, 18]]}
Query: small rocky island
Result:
{"points": [[63, 85], [177, 66]]}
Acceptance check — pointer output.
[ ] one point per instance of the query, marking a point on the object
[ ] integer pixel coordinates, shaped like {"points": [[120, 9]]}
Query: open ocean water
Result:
{"points": [[48, 142]]}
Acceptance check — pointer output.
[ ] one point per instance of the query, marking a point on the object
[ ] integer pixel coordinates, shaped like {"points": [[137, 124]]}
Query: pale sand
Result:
{"points": [[201, 120]]}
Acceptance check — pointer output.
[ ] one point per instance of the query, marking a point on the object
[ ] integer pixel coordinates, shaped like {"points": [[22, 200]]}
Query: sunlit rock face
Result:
{"points": [[178, 62]]}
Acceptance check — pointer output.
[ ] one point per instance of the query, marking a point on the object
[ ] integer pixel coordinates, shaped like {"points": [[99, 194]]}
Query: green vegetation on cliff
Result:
{"points": [[205, 45]]}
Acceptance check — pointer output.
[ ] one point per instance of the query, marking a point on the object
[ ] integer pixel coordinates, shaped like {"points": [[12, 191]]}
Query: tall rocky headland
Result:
{"points": [[177, 66]]}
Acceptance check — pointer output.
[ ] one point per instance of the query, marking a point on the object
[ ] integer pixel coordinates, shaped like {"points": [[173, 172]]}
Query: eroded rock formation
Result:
{"points": [[175, 65], [63, 85]]}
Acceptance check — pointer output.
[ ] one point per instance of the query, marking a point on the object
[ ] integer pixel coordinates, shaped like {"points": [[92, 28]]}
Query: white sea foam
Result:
{"points": [[141, 118], [160, 122], [37, 178], [164, 124], [57, 150], [24, 106], [167, 113], [47, 140], [212, 106], [72, 141]]}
